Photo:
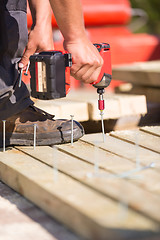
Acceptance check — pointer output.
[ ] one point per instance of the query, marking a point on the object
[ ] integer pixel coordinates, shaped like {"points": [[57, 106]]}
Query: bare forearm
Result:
{"points": [[69, 17], [40, 37], [41, 11]]}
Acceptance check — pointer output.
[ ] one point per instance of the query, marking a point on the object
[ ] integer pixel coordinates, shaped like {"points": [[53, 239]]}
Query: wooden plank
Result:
{"points": [[86, 102], [142, 73], [79, 170], [144, 139], [86, 153], [124, 149], [122, 123], [80, 208], [152, 94], [113, 164], [115, 105], [63, 108], [28, 221], [155, 130]]}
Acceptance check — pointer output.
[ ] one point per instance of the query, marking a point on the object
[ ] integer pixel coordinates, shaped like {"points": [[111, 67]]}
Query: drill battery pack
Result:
{"points": [[50, 74]]}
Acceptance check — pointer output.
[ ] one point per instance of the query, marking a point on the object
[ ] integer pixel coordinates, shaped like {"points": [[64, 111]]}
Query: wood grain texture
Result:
{"points": [[98, 191], [144, 139], [142, 73], [20, 219], [83, 104], [124, 149], [70, 201], [63, 108], [116, 105], [152, 93], [155, 130], [112, 164], [79, 170]]}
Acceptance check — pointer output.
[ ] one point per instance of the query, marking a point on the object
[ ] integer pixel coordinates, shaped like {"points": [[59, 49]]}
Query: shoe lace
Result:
{"points": [[48, 115]]}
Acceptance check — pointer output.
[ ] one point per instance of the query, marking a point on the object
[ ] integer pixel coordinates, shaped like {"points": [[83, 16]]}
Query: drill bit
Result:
{"points": [[34, 137], [101, 108], [4, 135], [72, 116], [55, 163], [102, 123]]}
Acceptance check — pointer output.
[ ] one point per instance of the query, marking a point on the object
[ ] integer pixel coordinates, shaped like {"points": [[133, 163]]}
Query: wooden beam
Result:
{"points": [[155, 130], [71, 160], [113, 164], [63, 108], [84, 210], [123, 148], [83, 104], [144, 139], [116, 105], [152, 94], [142, 73]]}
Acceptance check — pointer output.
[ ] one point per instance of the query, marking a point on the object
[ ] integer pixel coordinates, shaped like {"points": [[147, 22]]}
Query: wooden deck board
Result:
{"points": [[116, 105], [155, 130], [141, 73], [83, 104], [79, 169], [67, 197], [152, 93], [113, 164], [124, 149], [97, 192], [20, 219], [144, 139], [63, 108]]}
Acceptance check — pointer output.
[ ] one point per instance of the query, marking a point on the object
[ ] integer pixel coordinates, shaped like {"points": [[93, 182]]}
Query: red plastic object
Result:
{"points": [[104, 50], [102, 12], [127, 47], [106, 12]]}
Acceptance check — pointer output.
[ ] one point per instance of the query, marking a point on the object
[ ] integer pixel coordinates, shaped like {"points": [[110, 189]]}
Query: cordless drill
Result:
{"points": [[50, 74]]}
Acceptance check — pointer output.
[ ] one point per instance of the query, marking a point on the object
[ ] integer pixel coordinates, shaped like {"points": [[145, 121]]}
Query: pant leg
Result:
{"points": [[13, 39]]}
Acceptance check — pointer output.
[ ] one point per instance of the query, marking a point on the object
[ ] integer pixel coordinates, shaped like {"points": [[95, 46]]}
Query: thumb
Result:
{"points": [[25, 58]]}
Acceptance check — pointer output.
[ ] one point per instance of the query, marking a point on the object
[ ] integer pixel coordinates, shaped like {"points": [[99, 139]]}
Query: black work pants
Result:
{"points": [[13, 39]]}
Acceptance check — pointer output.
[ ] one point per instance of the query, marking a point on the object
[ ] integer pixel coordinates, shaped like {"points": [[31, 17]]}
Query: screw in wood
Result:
{"points": [[26, 73], [95, 172], [138, 165], [34, 138], [72, 116], [102, 123], [122, 209], [96, 162], [4, 135], [55, 167], [20, 77]]}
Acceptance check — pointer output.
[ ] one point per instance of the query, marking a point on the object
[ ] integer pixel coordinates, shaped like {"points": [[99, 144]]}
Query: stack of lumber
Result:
{"points": [[83, 104], [102, 190], [144, 77]]}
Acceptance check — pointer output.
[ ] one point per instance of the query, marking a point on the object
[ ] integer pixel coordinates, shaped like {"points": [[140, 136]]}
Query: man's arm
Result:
{"points": [[40, 37], [87, 61]]}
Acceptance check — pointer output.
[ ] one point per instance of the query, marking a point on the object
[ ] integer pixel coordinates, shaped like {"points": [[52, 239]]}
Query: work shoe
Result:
{"points": [[19, 129]]}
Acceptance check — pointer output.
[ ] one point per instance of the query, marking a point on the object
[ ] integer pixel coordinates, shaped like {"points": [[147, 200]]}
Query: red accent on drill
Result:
{"points": [[101, 104]]}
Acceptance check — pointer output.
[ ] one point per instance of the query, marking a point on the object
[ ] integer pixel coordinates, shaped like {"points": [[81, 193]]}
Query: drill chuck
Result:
{"points": [[101, 100]]}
